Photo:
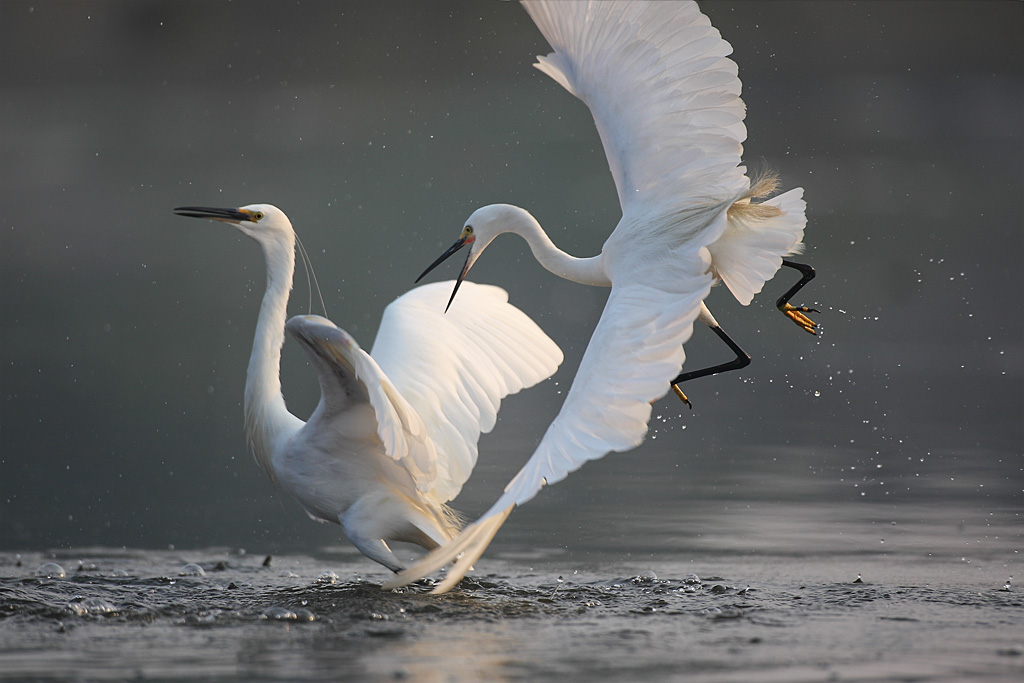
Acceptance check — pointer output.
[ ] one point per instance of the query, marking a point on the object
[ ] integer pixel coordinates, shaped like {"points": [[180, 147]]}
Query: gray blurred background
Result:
{"points": [[378, 127]]}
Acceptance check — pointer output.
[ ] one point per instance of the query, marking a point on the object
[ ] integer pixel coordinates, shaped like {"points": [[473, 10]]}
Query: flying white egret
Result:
{"points": [[666, 101], [395, 434]]}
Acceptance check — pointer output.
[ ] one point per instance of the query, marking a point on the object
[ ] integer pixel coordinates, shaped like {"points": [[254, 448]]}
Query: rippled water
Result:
{"points": [[901, 610]]}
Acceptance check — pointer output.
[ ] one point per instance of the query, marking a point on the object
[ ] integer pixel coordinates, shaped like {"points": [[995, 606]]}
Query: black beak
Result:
{"points": [[459, 244], [228, 215]]}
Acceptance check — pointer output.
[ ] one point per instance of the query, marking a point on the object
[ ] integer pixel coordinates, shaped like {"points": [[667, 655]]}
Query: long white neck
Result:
{"points": [[266, 417], [586, 271]]}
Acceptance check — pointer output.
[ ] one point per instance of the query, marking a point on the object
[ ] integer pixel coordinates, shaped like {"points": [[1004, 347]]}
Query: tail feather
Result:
{"points": [[464, 550], [756, 239]]}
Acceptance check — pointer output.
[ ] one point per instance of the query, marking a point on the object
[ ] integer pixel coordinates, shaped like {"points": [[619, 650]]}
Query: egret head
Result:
{"points": [[483, 226], [262, 222]]}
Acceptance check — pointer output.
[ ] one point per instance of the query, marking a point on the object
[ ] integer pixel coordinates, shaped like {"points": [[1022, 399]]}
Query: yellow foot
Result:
{"points": [[682, 396], [796, 314]]}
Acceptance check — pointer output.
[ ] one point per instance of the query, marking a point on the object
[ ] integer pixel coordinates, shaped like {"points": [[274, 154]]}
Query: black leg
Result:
{"points": [[741, 360], [796, 313]]}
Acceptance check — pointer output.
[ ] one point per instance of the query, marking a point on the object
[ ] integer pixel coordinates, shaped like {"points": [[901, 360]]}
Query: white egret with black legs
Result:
{"points": [[395, 434], [666, 102]]}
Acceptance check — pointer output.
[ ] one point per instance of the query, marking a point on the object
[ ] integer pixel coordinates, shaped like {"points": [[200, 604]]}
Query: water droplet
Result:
{"points": [[191, 569]]}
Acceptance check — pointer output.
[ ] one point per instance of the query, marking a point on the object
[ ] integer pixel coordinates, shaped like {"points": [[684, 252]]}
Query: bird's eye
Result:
{"points": [[258, 216], [469, 229]]}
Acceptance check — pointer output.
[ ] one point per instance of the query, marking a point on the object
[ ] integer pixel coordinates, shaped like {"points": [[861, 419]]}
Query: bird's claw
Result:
{"points": [[796, 314], [682, 396]]}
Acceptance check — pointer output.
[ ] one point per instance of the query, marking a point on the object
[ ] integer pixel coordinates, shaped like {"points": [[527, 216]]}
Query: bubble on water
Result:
{"points": [[119, 573], [191, 569], [288, 574], [51, 570], [712, 612], [328, 578], [645, 577], [91, 606], [278, 613], [692, 579]]}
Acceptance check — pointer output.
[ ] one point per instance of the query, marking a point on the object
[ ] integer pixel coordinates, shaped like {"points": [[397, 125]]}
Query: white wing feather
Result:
{"points": [[454, 368], [439, 380], [636, 348], [348, 378], [664, 96]]}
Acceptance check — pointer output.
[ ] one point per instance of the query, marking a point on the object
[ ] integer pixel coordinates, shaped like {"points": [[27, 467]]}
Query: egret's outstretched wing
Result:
{"points": [[636, 345], [664, 95], [349, 377], [454, 368]]}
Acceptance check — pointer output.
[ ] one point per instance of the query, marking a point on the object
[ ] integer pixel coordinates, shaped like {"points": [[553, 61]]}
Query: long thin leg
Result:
{"points": [[741, 360], [796, 313]]}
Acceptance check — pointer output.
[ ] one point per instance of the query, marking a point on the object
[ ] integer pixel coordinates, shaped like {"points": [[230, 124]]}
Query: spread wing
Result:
{"points": [[350, 378], [664, 96], [636, 347], [454, 368]]}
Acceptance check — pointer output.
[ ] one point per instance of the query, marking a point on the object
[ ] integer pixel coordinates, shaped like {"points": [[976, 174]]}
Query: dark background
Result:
{"points": [[378, 127]]}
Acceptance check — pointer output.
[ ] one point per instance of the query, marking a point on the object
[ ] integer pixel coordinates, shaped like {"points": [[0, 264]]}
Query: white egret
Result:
{"points": [[394, 436], [666, 102]]}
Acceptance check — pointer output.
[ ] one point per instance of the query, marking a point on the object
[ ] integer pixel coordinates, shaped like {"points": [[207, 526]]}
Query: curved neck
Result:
{"points": [[266, 417], [586, 271]]}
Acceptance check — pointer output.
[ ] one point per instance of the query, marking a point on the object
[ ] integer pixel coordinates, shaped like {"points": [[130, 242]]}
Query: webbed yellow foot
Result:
{"points": [[796, 314]]}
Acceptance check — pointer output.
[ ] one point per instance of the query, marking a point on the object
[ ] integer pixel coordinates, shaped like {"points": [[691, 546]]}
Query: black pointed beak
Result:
{"points": [[226, 215], [459, 244], [458, 282]]}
